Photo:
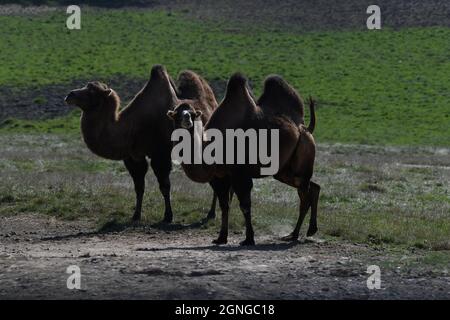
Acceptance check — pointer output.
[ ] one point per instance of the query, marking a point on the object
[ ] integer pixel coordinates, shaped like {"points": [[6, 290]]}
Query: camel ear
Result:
{"points": [[198, 114], [171, 114], [108, 92]]}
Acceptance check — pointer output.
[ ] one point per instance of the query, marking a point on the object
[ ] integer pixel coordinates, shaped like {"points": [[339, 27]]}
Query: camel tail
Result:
{"points": [[312, 110]]}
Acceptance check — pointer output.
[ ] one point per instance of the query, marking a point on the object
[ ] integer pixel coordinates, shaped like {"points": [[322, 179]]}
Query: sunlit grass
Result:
{"points": [[379, 87]]}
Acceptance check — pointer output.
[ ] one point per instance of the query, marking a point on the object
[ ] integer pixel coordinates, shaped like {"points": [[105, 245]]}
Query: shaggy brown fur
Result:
{"points": [[193, 87], [280, 98], [198, 98], [281, 109], [140, 130]]}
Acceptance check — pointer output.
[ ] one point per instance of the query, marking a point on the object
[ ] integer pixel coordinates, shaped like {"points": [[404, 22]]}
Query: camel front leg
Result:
{"points": [[212, 210], [242, 187], [222, 187], [162, 167], [137, 169]]}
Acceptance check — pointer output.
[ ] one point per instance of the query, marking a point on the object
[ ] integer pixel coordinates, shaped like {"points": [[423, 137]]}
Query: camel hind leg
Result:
{"points": [[222, 187], [309, 198], [305, 203], [212, 210]]}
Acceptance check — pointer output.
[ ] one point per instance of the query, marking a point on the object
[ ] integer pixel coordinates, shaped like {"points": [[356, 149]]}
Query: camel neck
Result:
{"points": [[199, 172]]}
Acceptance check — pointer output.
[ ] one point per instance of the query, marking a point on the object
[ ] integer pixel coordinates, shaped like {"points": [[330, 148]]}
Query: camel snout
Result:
{"points": [[187, 123], [69, 98], [186, 120]]}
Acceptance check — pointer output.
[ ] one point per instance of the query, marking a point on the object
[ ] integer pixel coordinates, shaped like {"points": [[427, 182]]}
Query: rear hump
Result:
{"points": [[280, 98], [191, 86]]}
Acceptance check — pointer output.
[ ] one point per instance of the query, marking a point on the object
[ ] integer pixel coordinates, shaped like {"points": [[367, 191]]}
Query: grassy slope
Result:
{"points": [[376, 87]]}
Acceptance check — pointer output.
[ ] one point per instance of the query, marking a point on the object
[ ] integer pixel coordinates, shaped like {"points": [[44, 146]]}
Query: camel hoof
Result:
{"points": [[168, 218], [311, 231], [248, 242], [290, 238], [220, 241]]}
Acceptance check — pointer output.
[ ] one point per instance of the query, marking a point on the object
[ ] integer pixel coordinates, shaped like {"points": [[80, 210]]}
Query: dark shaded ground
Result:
{"points": [[48, 102], [311, 15], [304, 15], [148, 263]]}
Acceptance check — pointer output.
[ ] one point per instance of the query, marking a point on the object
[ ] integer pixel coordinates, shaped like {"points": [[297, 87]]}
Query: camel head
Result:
{"points": [[184, 116], [89, 97]]}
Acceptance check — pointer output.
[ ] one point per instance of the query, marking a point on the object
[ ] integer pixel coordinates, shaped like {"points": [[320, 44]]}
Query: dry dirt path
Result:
{"points": [[146, 263]]}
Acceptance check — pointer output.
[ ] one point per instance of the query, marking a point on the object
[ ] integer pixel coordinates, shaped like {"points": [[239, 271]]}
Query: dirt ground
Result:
{"points": [[150, 263]]}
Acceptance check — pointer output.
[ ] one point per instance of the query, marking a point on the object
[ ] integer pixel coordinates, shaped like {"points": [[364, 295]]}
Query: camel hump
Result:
{"points": [[236, 83], [280, 98], [158, 71], [238, 86], [191, 86]]}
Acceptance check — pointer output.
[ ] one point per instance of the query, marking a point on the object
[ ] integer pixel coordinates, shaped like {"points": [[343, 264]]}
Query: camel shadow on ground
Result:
{"points": [[274, 246], [115, 226], [163, 226]]}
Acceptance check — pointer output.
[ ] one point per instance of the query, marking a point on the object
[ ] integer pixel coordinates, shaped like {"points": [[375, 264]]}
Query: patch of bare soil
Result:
{"points": [[313, 15], [148, 263], [48, 101], [303, 15], [15, 9], [33, 103]]}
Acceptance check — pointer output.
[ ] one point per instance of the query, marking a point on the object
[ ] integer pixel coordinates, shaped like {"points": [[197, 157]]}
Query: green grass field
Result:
{"points": [[374, 87]]}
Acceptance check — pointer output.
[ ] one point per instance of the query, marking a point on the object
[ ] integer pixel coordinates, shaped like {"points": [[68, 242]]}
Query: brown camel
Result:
{"points": [[193, 91], [279, 107], [138, 131]]}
